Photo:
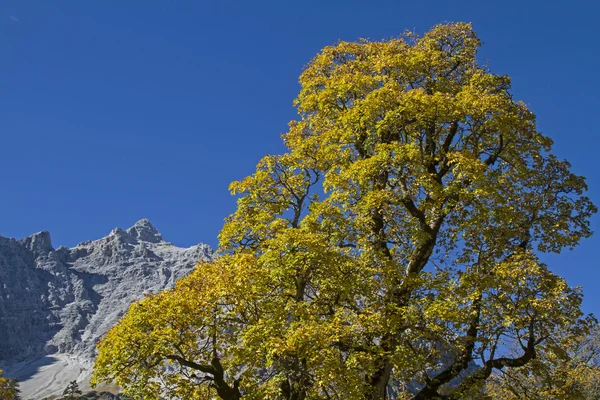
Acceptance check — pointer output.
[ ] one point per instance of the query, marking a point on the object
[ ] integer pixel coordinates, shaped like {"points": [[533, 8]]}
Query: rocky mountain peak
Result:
{"points": [[144, 231], [38, 243], [55, 305]]}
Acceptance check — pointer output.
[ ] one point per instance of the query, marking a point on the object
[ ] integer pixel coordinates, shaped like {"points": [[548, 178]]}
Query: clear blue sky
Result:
{"points": [[112, 111]]}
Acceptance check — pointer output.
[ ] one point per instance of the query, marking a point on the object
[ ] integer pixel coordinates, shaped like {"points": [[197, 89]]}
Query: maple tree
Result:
{"points": [[567, 369], [9, 389], [391, 252]]}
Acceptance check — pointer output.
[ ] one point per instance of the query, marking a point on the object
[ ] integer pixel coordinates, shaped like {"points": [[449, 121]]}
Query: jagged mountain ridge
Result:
{"points": [[55, 304]]}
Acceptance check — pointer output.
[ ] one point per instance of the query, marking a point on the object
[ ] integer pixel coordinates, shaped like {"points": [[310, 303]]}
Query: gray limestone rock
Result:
{"points": [[55, 304]]}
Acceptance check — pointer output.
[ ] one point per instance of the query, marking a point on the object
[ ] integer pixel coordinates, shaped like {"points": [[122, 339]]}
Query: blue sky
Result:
{"points": [[113, 111]]}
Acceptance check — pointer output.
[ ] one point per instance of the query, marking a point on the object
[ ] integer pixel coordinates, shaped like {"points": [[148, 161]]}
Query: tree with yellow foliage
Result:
{"points": [[9, 389], [391, 252], [567, 369]]}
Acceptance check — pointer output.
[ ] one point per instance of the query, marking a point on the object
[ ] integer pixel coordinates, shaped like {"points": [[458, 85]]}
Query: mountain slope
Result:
{"points": [[55, 304]]}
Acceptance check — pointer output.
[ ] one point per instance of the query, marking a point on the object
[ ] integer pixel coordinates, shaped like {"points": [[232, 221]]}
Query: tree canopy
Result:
{"points": [[9, 388], [567, 369], [72, 391], [391, 252]]}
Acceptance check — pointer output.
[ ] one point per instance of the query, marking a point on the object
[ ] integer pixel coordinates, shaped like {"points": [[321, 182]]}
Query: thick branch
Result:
{"points": [[207, 369], [224, 390], [462, 362], [485, 371]]}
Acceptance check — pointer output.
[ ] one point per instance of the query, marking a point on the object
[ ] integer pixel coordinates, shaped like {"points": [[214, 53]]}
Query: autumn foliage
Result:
{"points": [[9, 389], [391, 252]]}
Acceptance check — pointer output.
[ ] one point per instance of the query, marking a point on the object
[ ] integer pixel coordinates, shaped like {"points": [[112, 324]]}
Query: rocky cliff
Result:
{"points": [[55, 304]]}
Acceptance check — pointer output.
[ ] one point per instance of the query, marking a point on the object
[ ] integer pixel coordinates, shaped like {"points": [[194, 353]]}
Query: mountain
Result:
{"points": [[55, 304]]}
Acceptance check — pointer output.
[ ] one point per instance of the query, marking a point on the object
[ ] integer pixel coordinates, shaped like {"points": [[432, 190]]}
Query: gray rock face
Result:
{"points": [[57, 303]]}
